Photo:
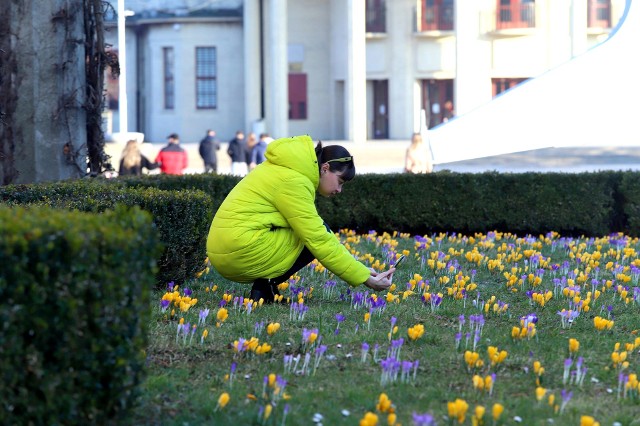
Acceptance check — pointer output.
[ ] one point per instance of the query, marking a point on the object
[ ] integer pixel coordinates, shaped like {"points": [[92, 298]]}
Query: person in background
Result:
{"points": [[132, 161], [447, 113], [268, 228], [252, 141], [172, 158], [237, 152], [258, 151], [208, 148], [418, 157]]}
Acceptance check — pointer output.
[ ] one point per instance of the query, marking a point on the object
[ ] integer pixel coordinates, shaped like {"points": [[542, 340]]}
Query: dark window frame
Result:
{"points": [[206, 78], [375, 16], [437, 15], [512, 14], [599, 14], [169, 84], [298, 101]]}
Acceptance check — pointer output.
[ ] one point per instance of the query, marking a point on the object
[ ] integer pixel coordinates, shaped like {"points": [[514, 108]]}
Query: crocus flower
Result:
{"points": [[164, 305], [425, 419], [496, 411], [540, 393], [574, 345], [458, 409], [369, 419], [204, 313], [588, 421], [222, 314], [272, 328], [223, 400]]}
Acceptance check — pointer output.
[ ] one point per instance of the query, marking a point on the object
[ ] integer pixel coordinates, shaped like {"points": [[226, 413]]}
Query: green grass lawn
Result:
{"points": [[469, 293]]}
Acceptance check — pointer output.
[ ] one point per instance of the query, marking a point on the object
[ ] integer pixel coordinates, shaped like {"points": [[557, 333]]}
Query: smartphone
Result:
{"points": [[399, 261]]}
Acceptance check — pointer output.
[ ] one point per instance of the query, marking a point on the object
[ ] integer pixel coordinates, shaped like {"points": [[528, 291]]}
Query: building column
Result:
{"points": [[578, 30], [253, 75], [356, 79], [403, 119], [473, 58], [276, 69]]}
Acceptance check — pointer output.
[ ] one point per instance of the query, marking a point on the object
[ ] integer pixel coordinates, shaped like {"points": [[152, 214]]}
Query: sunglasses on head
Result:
{"points": [[340, 160]]}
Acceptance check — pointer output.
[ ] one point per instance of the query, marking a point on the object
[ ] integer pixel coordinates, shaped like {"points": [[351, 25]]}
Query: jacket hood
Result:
{"points": [[296, 153]]}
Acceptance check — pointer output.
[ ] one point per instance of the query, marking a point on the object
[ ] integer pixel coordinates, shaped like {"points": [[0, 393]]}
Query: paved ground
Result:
{"points": [[388, 157]]}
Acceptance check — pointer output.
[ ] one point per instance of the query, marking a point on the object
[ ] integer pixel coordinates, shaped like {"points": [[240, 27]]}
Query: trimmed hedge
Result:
{"points": [[593, 203], [528, 203], [74, 310], [216, 186], [182, 217]]}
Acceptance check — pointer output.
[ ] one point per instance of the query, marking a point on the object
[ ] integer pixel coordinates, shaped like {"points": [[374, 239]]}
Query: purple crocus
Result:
{"points": [[164, 305], [424, 419]]}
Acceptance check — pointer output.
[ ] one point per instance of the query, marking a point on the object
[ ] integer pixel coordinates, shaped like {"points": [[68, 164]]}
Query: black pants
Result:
{"points": [[304, 258]]}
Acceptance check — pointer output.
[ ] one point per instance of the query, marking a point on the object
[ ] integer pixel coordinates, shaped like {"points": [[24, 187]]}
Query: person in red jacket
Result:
{"points": [[172, 158]]}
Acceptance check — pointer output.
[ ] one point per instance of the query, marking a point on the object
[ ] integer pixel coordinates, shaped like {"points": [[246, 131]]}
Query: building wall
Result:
{"points": [[472, 55], [186, 119]]}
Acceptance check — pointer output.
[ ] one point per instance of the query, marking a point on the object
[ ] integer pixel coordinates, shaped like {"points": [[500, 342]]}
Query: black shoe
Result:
{"points": [[263, 289]]}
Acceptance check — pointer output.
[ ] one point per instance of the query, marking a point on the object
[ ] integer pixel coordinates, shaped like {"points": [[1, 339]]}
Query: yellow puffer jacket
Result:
{"points": [[268, 218]]}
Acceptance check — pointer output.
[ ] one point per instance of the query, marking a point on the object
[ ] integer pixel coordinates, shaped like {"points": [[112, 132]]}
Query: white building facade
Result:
{"points": [[337, 69]]}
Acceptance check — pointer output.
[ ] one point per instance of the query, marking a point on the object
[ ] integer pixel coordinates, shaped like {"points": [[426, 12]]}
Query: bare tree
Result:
{"points": [[52, 64]]}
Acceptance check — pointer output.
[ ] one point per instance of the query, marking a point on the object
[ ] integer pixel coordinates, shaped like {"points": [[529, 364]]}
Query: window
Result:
{"points": [[437, 15], [515, 14], [206, 82], [297, 96], [375, 16], [169, 81], [599, 14], [502, 84]]}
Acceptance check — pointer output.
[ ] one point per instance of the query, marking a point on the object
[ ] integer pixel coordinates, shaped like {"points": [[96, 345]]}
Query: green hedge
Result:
{"points": [[593, 203], [584, 203], [216, 186], [182, 217], [74, 309]]}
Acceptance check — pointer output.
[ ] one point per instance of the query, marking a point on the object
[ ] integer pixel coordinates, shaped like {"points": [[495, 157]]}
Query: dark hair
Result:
{"points": [[345, 167]]}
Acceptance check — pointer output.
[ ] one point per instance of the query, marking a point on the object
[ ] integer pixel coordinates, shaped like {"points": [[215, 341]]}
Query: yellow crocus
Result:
{"points": [[222, 315], [384, 403], [588, 421], [223, 400], [369, 419], [272, 328], [479, 412], [391, 419], [267, 411], [497, 410], [574, 345]]}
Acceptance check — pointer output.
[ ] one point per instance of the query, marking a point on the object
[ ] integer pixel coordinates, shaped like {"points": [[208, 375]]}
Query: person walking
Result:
{"points": [[237, 151], [172, 158], [132, 161], [268, 228], [208, 148], [418, 157]]}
